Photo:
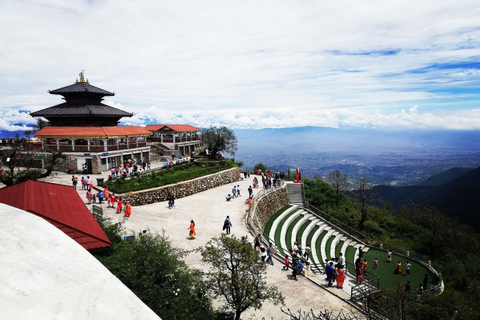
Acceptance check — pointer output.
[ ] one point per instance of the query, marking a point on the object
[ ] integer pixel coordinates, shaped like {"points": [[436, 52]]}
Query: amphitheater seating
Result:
{"points": [[325, 240]]}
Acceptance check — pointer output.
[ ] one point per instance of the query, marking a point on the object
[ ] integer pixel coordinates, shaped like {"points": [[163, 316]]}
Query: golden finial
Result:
{"points": [[82, 78]]}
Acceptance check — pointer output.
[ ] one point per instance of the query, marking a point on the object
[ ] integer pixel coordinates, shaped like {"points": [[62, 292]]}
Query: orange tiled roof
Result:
{"points": [[93, 132], [172, 127]]}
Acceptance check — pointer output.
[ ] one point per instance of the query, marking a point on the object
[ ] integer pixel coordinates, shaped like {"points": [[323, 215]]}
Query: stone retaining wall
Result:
{"points": [[271, 203], [182, 189]]}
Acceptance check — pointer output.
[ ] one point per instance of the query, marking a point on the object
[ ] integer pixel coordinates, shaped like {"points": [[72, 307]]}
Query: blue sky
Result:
{"points": [[249, 64]]}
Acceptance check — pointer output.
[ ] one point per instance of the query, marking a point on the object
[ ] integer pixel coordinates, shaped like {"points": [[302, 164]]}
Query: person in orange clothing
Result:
{"points": [[192, 233], [128, 209], [120, 205], [340, 277], [398, 268]]}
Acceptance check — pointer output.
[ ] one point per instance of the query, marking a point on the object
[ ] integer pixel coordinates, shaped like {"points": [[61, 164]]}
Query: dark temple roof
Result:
{"points": [[81, 87], [69, 109]]}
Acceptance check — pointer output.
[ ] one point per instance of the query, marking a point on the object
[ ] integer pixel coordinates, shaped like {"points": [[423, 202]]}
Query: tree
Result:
{"points": [[154, 271], [338, 182], [219, 139], [237, 274], [363, 194]]}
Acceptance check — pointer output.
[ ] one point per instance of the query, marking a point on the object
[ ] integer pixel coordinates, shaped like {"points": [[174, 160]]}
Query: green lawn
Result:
{"points": [[385, 270]]}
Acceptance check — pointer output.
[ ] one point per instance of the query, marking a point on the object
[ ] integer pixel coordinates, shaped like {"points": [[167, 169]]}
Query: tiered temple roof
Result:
{"points": [[82, 107]]}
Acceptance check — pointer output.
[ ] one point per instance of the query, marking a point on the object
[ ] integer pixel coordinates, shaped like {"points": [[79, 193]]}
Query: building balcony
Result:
{"points": [[93, 148]]}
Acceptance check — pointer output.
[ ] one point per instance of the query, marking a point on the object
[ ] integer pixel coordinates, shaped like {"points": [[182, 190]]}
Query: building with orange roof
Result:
{"points": [[87, 131], [175, 138]]}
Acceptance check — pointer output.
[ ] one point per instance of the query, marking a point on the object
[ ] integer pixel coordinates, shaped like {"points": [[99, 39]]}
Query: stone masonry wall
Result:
{"points": [[271, 203], [182, 189]]}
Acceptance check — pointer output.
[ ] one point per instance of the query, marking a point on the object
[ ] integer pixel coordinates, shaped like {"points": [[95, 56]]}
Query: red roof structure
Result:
{"points": [[61, 206], [172, 127], [92, 132]]}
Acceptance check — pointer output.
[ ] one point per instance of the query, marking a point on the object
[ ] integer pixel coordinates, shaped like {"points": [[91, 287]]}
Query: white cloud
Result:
{"points": [[250, 64]]}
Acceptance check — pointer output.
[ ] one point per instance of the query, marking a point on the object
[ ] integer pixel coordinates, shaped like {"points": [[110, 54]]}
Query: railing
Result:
{"points": [[94, 148], [358, 236]]}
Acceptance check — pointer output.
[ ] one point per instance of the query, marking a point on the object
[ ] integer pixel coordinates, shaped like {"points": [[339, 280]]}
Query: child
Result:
{"points": [[375, 263], [365, 264], [286, 263]]}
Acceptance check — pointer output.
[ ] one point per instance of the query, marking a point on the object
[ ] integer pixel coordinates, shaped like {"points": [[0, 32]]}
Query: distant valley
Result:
{"points": [[396, 158]]}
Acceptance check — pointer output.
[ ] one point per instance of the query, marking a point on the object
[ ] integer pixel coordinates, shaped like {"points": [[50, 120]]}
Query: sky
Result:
{"points": [[249, 64]]}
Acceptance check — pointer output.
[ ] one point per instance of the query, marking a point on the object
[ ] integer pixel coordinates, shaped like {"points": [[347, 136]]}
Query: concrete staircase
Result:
{"points": [[295, 192]]}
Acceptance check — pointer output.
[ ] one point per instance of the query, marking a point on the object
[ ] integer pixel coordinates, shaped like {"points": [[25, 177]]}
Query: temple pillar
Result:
{"points": [[105, 144], [73, 144], [57, 141]]}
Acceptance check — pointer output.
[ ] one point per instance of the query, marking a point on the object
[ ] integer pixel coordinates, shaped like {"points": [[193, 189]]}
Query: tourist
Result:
{"points": [[425, 282], [128, 210], [341, 259], [89, 183], [408, 266], [364, 266], [250, 191], [339, 276], [330, 270], [234, 192], [228, 197], [191, 229], [106, 193], [250, 202], [120, 206], [408, 287], [358, 269], [258, 240], [171, 200], [74, 182], [263, 253], [84, 183], [100, 197], [389, 256], [270, 253], [297, 269], [375, 263], [89, 196], [398, 268], [307, 252], [360, 252], [227, 224], [238, 191], [286, 263]]}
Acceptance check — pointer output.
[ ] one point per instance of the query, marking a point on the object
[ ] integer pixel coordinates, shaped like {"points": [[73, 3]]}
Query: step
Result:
{"points": [[275, 223]]}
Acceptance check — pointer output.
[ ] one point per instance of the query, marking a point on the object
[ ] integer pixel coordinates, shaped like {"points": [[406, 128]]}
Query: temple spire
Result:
{"points": [[82, 78]]}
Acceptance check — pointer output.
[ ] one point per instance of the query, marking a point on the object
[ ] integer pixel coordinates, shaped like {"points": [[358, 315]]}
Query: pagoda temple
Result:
{"points": [[87, 131], [83, 107]]}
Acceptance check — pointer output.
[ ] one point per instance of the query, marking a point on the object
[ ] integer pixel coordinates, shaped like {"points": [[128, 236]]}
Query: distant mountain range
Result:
{"points": [[455, 192]]}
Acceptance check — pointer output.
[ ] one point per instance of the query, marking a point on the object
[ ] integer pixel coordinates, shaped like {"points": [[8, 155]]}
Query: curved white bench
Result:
{"points": [[271, 235]]}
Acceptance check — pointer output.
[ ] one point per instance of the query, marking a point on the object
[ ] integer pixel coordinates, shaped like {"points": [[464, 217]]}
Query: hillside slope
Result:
{"points": [[458, 198]]}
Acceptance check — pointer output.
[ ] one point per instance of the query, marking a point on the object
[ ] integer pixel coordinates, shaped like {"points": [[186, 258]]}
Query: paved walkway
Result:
{"points": [[208, 209]]}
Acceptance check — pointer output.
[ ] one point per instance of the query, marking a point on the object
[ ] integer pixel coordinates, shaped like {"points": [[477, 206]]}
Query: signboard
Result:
{"points": [[105, 154], [86, 154], [72, 157]]}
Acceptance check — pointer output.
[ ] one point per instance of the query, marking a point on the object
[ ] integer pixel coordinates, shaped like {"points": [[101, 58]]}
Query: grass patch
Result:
{"points": [[388, 279], [328, 247], [288, 236], [268, 225], [301, 230]]}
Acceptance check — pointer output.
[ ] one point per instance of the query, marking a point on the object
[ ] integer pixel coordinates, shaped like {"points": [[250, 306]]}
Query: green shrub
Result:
{"points": [[178, 173]]}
